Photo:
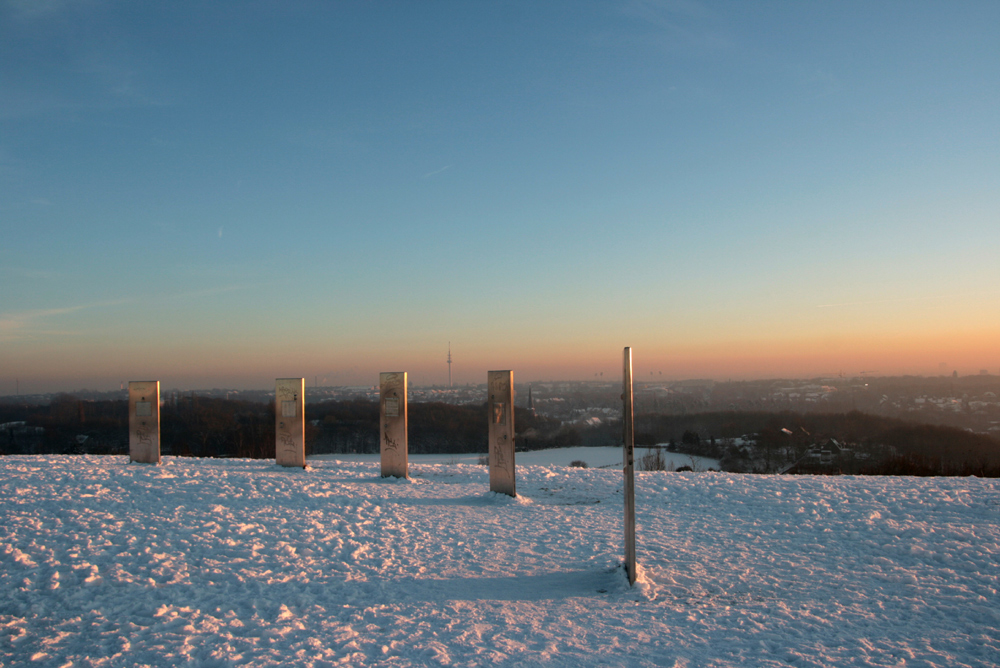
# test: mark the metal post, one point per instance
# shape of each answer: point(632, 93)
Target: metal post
point(628, 458)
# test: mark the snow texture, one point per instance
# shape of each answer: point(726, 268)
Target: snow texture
point(595, 457)
point(204, 562)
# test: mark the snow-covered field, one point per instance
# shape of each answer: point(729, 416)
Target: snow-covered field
point(594, 458)
point(241, 563)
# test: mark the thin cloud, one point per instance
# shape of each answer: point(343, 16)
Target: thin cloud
point(679, 24)
point(896, 300)
point(16, 325)
point(33, 274)
point(208, 292)
point(27, 10)
point(437, 171)
point(112, 73)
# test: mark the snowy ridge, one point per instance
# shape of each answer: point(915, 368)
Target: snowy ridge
point(240, 562)
point(594, 457)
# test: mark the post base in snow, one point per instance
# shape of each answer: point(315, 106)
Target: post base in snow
point(639, 583)
point(630, 577)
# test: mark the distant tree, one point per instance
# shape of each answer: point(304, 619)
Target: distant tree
point(653, 461)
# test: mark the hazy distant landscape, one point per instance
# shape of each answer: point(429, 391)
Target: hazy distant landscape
point(903, 425)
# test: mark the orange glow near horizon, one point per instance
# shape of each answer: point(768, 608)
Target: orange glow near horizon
point(242, 366)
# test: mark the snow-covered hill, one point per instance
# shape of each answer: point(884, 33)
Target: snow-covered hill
point(593, 457)
point(241, 563)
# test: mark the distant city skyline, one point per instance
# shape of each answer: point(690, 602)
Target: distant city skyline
point(217, 196)
point(31, 386)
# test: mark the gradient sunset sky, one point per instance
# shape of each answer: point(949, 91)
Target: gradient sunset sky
point(218, 194)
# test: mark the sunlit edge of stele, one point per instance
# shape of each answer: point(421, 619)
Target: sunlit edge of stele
point(393, 424)
point(628, 440)
point(289, 422)
point(500, 413)
point(144, 421)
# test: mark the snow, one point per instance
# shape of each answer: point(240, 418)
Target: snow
point(595, 457)
point(242, 563)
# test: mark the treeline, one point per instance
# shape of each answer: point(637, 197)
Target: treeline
point(434, 427)
point(211, 427)
point(190, 426)
point(888, 446)
point(65, 424)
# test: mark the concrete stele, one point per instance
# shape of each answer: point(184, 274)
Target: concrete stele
point(144, 421)
point(290, 422)
point(500, 392)
point(393, 424)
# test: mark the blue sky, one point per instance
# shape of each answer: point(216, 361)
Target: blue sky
point(217, 194)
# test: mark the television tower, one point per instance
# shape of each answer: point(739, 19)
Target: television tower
point(449, 364)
